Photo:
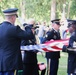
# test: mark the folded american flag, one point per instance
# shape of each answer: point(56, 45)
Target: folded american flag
point(52, 45)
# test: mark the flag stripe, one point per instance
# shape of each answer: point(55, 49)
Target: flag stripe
point(54, 45)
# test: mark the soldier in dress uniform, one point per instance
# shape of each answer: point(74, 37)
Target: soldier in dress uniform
point(71, 68)
point(10, 40)
point(53, 57)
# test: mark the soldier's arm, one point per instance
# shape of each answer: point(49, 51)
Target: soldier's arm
point(47, 37)
point(27, 34)
point(69, 50)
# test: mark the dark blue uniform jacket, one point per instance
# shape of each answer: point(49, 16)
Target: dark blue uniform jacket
point(49, 36)
point(10, 40)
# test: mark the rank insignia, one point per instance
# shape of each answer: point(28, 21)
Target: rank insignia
point(54, 36)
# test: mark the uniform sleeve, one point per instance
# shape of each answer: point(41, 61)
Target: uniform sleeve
point(70, 48)
point(71, 41)
point(64, 49)
point(27, 34)
point(47, 37)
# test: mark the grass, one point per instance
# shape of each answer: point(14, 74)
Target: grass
point(62, 70)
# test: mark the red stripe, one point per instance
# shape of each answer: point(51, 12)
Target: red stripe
point(64, 41)
point(46, 50)
point(55, 47)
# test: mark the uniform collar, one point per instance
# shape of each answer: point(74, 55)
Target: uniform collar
point(55, 30)
point(7, 22)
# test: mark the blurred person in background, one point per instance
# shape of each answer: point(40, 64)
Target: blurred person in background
point(41, 32)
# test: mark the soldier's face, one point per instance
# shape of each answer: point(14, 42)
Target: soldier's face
point(56, 26)
point(70, 29)
point(14, 18)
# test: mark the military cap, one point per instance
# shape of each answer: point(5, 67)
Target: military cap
point(57, 21)
point(71, 22)
point(11, 11)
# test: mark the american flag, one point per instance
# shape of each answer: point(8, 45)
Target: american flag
point(52, 45)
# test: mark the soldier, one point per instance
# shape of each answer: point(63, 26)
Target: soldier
point(10, 40)
point(71, 68)
point(53, 57)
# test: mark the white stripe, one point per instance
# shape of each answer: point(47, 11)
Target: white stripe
point(47, 46)
point(10, 13)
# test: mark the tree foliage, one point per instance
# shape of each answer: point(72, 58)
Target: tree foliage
point(73, 9)
point(40, 9)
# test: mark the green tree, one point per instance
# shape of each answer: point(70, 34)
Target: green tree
point(41, 9)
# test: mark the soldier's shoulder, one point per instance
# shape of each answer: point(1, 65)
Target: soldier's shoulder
point(52, 31)
point(73, 34)
point(0, 23)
